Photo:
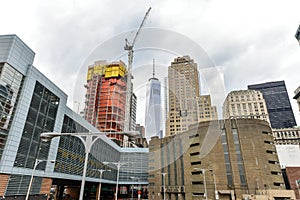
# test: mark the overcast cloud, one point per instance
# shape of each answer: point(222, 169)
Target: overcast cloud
point(249, 41)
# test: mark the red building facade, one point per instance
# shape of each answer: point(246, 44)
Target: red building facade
point(106, 97)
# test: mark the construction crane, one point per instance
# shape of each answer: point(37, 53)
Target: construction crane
point(129, 47)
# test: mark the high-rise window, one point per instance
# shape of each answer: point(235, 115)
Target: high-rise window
point(227, 159)
point(10, 84)
point(40, 118)
point(278, 104)
point(239, 157)
point(153, 114)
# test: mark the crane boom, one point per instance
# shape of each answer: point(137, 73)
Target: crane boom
point(142, 24)
point(129, 47)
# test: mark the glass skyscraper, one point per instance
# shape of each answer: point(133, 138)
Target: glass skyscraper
point(30, 104)
point(153, 114)
point(278, 104)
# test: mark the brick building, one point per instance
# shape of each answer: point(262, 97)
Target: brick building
point(292, 179)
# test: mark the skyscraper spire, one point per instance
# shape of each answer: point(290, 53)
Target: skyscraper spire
point(153, 114)
point(153, 71)
point(153, 68)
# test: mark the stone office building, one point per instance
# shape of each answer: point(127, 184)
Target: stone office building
point(185, 104)
point(245, 104)
point(220, 159)
point(297, 96)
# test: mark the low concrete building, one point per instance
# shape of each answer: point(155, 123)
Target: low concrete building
point(271, 194)
point(217, 160)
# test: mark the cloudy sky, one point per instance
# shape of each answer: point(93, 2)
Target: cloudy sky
point(234, 42)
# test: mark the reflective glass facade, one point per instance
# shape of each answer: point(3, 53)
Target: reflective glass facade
point(136, 167)
point(31, 104)
point(153, 114)
point(40, 118)
point(278, 103)
point(71, 152)
point(10, 83)
point(70, 155)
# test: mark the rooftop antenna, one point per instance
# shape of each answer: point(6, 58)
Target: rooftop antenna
point(153, 68)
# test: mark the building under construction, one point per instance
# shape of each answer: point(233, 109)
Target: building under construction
point(106, 98)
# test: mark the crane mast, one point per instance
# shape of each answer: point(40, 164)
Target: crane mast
point(129, 47)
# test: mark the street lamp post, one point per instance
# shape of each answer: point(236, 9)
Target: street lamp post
point(204, 180)
point(88, 139)
point(101, 172)
point(37, 161)
point(164, 181)
point(118, 165)
point(205, 189)
point(133, 186)
point(128, 143)
point(216, 191)
point(132, 192)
